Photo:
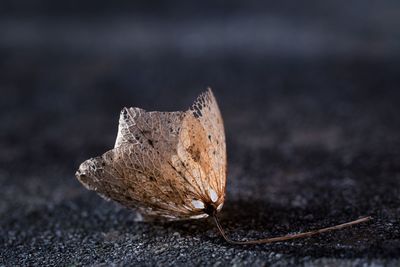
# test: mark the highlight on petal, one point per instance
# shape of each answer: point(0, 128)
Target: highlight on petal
point(213, 195)
point(198, 204)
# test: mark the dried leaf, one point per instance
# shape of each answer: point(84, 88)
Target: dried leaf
point(164, 164)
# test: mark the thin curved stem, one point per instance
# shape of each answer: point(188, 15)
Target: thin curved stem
point(290, 236)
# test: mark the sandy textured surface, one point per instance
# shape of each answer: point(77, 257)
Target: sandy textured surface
point(311, 110)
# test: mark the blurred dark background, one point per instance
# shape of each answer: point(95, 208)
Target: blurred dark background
point(309, 92)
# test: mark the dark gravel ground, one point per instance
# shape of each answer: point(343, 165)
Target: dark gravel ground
point(310, 99)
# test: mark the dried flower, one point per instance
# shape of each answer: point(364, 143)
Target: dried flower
point(170, 165)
